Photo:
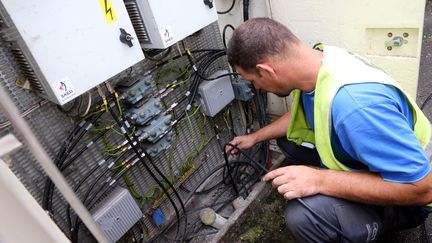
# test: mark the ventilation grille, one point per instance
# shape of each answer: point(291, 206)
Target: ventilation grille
point(137, 22)
point(26, 70)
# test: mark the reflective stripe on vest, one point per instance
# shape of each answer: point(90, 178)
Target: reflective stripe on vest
point(340, 68)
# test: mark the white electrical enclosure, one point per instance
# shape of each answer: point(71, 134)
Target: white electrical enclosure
point(64, 48)
point(159, 24)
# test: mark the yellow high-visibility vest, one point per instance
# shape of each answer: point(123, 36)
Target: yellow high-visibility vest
point(339, 68)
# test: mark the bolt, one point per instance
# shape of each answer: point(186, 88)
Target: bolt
point(143, 114)
point(389, 48)
point(405, 34)
point(389, 34)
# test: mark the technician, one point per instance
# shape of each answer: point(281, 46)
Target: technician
point(371, 173)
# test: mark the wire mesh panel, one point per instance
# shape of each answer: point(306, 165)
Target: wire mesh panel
point(194, 151)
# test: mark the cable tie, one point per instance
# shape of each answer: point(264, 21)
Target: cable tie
point(88, 127)
point(89, 144)
point(123, 130)
point(81, 124)
point(188, 107)
point(111, 165)
point(112, 182)
point(217, 136)
point(195, 68)
point(127, 124)
point(108, 179)
point(101, 162)
point(187, 93)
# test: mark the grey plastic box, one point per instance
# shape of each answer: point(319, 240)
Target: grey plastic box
point(116, 214)
point(215, 94)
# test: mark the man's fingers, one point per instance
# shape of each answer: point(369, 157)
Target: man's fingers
point(279, 180)
point(289, 195)
point(275, 173)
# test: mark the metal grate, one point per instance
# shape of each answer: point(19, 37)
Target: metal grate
point(51, 126)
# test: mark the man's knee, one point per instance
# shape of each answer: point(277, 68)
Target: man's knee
point(304, 225)
point(357, 221)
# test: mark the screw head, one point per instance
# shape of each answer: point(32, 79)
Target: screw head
point(389, 34)
point(389, 48)
point(405, 34)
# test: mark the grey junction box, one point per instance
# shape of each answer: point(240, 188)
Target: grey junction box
point(215, 94)
point(117, 214)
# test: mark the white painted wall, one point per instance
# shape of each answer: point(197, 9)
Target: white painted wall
point(360, 26)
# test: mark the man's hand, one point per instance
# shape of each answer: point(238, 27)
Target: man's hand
point(295, 181)
point(242, 142)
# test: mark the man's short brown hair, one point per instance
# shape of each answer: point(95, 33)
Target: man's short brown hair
point(257, 39)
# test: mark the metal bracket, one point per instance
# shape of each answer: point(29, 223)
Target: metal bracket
point(395, 42)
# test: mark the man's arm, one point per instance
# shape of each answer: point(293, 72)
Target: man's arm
point(301, 181)
point(275, 129)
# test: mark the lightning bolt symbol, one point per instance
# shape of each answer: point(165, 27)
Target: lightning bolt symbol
point(108, 9)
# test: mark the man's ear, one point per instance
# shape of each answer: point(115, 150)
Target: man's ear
point(266, 68)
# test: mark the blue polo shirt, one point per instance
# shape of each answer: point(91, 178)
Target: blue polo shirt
point(373, 131)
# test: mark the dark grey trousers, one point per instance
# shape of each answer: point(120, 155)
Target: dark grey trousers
point(360, 222)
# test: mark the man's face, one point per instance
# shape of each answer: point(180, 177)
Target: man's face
point(264, 81)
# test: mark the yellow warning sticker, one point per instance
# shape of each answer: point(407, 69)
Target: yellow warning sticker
point(108, 11)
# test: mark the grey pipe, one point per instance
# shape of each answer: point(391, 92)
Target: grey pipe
point(47, 164)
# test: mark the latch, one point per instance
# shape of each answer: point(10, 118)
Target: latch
point(125, 37)
point(209, 3)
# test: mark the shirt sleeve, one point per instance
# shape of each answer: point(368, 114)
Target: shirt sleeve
point(379, 136)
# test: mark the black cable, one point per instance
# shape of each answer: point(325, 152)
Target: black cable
point(232, 123)
point(261, 99)
point(81, 151)
point(84, 178)
point(224, 33)
point(228, 10)
point(184, 54)
point(300, 200)
point(70, 143)
point(195, 188)
point(75, 229)
point(87, 202)
point(135, 149)
point(245, 10)
point(157, 59)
